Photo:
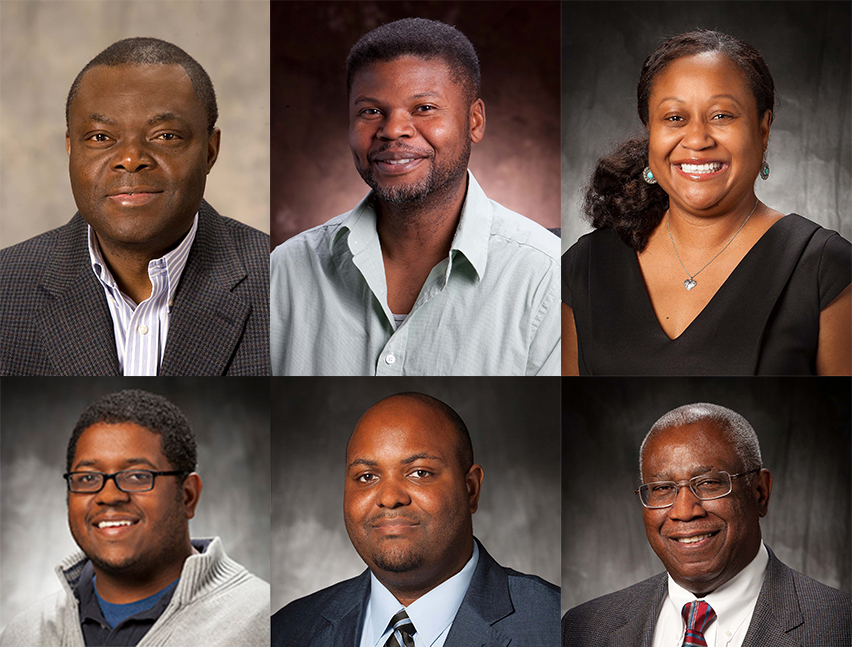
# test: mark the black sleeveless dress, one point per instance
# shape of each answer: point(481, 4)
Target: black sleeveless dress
point(764, 320)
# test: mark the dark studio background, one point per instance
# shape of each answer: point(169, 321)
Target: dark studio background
point(517, 163)
point(803, 425)
point(514, 426)
point(807, 48)
point(230, 419)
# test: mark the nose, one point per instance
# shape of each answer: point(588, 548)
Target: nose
point(686, 506)
point(697, 135)
point(110, 494)
point(132, 155)
point(392, 493)
point(397, 124)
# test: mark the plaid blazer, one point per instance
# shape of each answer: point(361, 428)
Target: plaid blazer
point(792, 610)
point(54, 318)
point(502, 607)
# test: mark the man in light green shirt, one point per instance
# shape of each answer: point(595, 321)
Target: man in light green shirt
point(426, 276)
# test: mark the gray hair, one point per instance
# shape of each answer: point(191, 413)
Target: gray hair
point(738, 430)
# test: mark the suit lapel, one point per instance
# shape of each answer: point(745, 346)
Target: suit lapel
point(639, 630)
point(344, 614)
point(76, 326)
point(207, 320)
point(777, 610)
point(487, 601)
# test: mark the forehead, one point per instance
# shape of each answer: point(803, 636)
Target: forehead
point(699, 76)
point(682, 452)
point(396, 429)
point(406, 76)
point(114, 443)
point(122, 91)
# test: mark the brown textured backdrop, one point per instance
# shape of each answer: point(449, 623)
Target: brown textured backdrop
point(517, 164)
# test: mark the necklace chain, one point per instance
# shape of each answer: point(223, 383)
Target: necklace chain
point(691, 282)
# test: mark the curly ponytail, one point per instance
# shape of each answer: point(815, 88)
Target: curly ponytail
point(619, 199)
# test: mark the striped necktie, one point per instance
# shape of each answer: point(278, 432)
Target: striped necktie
point(403, 631)
point(696, 615)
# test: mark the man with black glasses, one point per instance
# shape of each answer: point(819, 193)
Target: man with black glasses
point(703, 492)
point(140, 580)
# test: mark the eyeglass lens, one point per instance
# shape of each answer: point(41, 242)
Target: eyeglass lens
point(705, 486)
point(128, 481)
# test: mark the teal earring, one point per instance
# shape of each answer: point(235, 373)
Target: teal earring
point(764, 168)
point(650, 179)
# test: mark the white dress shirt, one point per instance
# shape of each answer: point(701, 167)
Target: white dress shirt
point(141, 329)
point(431, 614)
point(733, 603)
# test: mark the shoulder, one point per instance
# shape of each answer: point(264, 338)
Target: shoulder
point(248, 241)
point(593, 242)
point(531, 590)
point(820, 600)
point(526, 234)
point(611, 611)
point(301, 619)
point(40, 624)
point(312, 242)
point(29, 256)
point(826, 257)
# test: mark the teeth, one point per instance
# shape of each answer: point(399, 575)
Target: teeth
point(114, 524)
point(405, 161)
point(712, 167)
point(693, 540)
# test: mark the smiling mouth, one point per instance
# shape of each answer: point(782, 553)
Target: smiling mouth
point(113, 524)
point(700, 169)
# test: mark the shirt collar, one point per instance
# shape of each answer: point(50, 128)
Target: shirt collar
point(471, 238)
point(174, 261)
point(732, 601)
point(431, 613)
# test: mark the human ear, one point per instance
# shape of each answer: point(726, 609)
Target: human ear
point(476, 119)
point(191, 493)
point(213, 148)
point(763, 489)
point(68, 142)
point(473, 481)
point(764, 126)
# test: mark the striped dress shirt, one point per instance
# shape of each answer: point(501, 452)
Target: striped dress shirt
point(141, 329)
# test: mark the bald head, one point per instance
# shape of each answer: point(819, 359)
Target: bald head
point(394, 411)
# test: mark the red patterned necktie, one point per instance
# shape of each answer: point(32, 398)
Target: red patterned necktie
point(696, 615)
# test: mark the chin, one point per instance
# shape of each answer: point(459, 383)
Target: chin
point(397, 561)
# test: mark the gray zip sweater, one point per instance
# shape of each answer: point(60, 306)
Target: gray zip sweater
point(217, 602)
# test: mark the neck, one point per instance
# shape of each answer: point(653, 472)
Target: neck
point(421, 229)
point(125, 586)
point(707, 232)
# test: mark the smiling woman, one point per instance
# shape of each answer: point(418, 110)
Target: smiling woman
point(689, 273)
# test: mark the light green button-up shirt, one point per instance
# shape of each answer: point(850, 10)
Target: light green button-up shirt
point(490, 308)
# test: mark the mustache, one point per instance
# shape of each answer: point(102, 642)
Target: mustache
point(399, 148)
point(385, 517)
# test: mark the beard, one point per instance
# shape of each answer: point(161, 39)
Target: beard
point(397, 561)
point(438, 177)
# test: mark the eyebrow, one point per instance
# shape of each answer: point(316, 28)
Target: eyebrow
point(129, 461)
point(713, 98)
point(699, 470)
point(163, 116)
point(405, 461)
point(102, 119)
point(413, 97)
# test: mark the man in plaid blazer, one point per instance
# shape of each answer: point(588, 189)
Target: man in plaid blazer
point(146, 279)
point(703, 494)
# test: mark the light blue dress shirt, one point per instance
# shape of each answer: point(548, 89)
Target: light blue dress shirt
point(492, 307)
point(141, 329)
point(431, 614)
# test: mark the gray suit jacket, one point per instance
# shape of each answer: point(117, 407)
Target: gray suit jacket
point(54, 318)
point(502, 607)
point(792, 610)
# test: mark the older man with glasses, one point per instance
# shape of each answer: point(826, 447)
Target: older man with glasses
point(704, 490)
point(140, 580)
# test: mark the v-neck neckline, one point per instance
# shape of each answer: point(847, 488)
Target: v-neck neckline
point(649, 307)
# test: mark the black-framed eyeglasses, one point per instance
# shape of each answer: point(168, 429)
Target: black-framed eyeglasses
point(125, 480)
point(705, 487)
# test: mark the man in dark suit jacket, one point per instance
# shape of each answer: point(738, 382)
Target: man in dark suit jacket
point(411, 488)
point(147, 278)
point(703, 494)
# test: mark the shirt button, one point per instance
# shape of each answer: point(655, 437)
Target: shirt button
point(390, 359)
point(728, 634)
point(143, 329)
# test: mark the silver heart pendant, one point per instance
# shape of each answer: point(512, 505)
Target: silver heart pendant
point(689, 284)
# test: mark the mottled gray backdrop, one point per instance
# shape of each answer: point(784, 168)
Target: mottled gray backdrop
point(807, 48)
point(514, 425)
point(230, 418)
point(44, 44)
point(517, 163)
point(803, 425)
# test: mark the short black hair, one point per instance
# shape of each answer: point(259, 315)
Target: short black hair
point(149, 410)
point(153, 51)
point(423, 38)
